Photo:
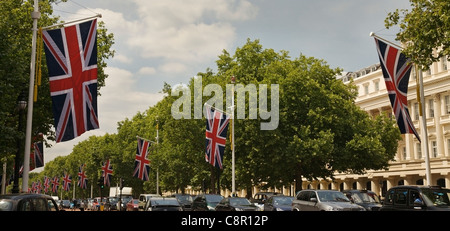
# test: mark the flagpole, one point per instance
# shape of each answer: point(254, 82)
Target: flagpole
point(35, 15)
point(424, 130)
point(233, 183)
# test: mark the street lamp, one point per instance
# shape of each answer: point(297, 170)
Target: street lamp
point(21, 105)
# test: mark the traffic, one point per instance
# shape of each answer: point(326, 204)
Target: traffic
point(398, 198)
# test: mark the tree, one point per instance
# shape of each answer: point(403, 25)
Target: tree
point(321, 131)
point(15, 52)
point(424, 30)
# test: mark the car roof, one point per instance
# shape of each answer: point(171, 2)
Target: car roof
point(24, 195)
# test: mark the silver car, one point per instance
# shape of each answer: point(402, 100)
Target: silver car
point(323, 200)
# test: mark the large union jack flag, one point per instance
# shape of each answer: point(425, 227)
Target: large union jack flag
point(71, 55)
point(82, 178)
point(142, 163)
point(216, 136)
point(396, 70)
point(107, 172)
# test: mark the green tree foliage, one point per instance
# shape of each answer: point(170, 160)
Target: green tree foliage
point(424, 29)
point(320, 131)
point(15, 56)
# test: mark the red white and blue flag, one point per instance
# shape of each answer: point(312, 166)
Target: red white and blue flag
point(142, 163)
point(107, 172)
point(396, 70)
point(46, 183)
point(38, 154)
point(67, 180)
point(82, 178)
point(55, 184)
point(71, 55)
point(216, 136)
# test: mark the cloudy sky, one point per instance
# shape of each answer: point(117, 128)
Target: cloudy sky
point(171, 41)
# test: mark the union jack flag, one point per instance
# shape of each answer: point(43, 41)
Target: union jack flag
point(107, 172)
point(396, 70)
point(67, 180)
point(38, 154)
point(55, 184)
point(216, 136)
point(71, 55)
point(142, 163)
point(46, 183)
point(82, 179)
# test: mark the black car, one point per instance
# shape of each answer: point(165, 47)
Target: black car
point(206, 202)
point(260, 198)
point(278, 203)
point(236, 204)
point(364, 198)
point(163, 204)
point(416, 198)
point(185, 200)
point(27, 202)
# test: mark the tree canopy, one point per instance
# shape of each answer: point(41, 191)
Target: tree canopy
point(424, 29)
point(320, 129)
point(15, 55)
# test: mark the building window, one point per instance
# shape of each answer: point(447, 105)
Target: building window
point(419, 151)
point(366, 89)
point(431, 108)
point(447, 104)
point(434, 148)
point(416, 111)
point(377, 86)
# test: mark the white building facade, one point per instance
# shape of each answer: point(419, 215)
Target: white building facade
point(408, 168)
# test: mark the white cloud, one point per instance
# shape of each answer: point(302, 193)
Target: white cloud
point(147, 71)
point(119, 100)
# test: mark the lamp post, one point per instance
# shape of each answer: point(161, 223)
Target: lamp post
point(21, 105)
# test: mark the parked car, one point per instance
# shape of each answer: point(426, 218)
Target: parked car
point(416, 198)
point(260, 198)
point(132, 205)
point(278, 203)
point(364, 198)
point(185, 200)
point(206, 202)
point(323, 200)
point(27, 202)
point(64, 204)
point(143, 198)
point(163, 204)
point(236, 204)
point(124, 202)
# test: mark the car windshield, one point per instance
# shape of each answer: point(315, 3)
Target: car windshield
point(184, 198)
point(283, 200)
point(439, 197)
point(332, 196)
point(239, 201)
point(214, 198)
point(362, 197)
point(5, 205)
point(165, 203)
